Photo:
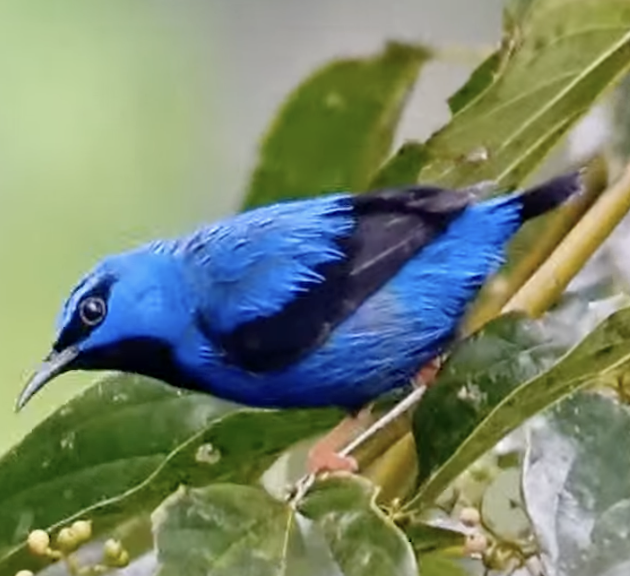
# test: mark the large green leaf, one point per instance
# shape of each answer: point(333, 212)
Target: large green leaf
point(337, 127)
point(427, 538)
point(363, 541)
point(116, 452)
point(557, 57)
point(514, 15)
point(480, 373)
point(494, 384)
point(576, 486)
point(97, 446)
point(228, 529)
point(440, 564)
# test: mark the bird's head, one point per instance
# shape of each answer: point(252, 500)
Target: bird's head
point(126, 314)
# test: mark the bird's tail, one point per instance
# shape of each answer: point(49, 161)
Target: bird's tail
point(550, 194)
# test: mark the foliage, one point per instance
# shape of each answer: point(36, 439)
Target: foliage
point(131, 452)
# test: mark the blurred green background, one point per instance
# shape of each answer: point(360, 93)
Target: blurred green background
point(122, 120)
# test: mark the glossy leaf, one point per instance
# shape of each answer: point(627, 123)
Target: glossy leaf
point(402, 168)
point(485, 74)
point(557, 57)
point(363, 541)
point(337, 127)
point(480, 373)
point(576, 486)
point(227, 529)
point(115, 470)
point(441, 564)
point(496, 380)
point(426, 538)
point(565, 54)
point(93, 448)
point(514, 17)
point(502, 508)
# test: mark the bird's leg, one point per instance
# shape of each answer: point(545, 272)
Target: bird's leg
point(323, 456)
point(405, 404)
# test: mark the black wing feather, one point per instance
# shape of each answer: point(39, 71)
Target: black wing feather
point(391, 226)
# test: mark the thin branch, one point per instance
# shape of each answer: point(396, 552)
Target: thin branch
point(544, 288)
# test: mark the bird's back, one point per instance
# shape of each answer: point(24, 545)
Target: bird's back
point(338, 299)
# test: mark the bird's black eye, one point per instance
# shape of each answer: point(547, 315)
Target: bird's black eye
point(92, 310)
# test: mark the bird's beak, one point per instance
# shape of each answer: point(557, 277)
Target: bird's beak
point(56, 363)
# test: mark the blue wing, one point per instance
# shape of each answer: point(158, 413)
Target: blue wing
point(275, 281)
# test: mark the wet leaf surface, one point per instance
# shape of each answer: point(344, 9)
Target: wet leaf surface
point(576, 486)
point(228, 529)
point(500, 378)
point(123, 462)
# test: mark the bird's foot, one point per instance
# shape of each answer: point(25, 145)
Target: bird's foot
point(323, 459)
point(325, 455)
point(332, 452)
point(299, 489)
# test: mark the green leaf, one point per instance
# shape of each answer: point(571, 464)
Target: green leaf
point(402, 168)
point(93, 448)
point(364, 542)
point(566, 54)
point(228, 529)
point(337, 127)
point(440, 564)
point(479, 80)
point(480, 373)
point(556, 59)
point(576, 486)
point(502, 508)
point(620, 151)
point(132, 443)
point(426, 538)
point(493, 66)
point(495, 381)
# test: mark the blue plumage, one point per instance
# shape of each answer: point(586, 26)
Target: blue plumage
point(329, 301)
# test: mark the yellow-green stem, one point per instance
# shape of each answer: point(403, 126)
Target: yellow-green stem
point(395, 471)
point(498, 291)
point(544, 288)
point(549, 281)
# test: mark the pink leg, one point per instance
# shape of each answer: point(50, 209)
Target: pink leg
point(324, 457)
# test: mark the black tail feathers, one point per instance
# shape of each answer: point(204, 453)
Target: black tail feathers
point(551, 194)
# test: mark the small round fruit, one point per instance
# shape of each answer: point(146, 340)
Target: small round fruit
point(470, 516)
point(25, 573)
point(82, 530)
point(122, 561)
point(67, 540)
point(112, 550)
point(38, 542)
point(476, 544)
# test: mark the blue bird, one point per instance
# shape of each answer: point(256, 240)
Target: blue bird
point(330, 301)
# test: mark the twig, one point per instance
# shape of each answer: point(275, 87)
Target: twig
point(543, 289)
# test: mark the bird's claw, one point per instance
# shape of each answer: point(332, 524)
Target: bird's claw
point(300, 489)
point(320, 461)
point(326, 460)
point(323, 458)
